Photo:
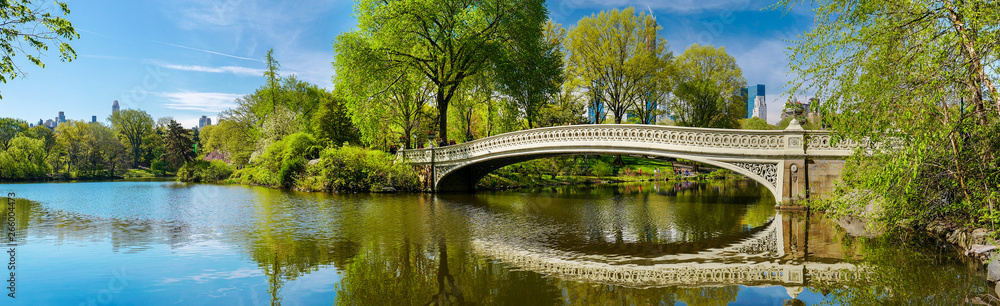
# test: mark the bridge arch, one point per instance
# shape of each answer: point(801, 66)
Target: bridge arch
point(785, 161)
point(464, 177)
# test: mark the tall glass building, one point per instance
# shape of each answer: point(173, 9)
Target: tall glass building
point(756, 106)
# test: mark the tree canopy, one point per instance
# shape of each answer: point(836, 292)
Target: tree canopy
point(34, 23)
point(920, 75)
point(447, 41)
point(619, 58)
point(132, 126)
point(708, 82)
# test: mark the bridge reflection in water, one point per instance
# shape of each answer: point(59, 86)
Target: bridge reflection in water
point(778, 254)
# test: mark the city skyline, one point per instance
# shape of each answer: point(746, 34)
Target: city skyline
point(206, 54)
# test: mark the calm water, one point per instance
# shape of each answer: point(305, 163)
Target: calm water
point(696, 244)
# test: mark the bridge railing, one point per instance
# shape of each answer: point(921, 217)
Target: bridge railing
point(682, 138)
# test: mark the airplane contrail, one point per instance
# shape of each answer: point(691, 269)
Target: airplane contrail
point(210, 52)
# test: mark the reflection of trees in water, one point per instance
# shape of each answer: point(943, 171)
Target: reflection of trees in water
point(607, 219)
point(900, 274)
point(128, 236)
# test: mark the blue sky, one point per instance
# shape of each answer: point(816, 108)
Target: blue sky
point(188, 58)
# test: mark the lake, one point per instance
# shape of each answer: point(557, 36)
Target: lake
point(687, 243)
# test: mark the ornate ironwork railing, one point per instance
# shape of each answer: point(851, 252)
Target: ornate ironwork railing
point(736, 142)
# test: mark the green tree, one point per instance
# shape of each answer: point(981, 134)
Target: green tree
point(567, 105)
point(24, 158)
point(178, 145)
point(700, 103)
point(33, 23)
point(447, 41)
point(708, 83)
point(105, 154)
point(755, 123)
point(272, 87)
point(532, 73)
point(619, 57)
point(10, 128)
point(331, 124)
point(72, 141)
point(131, 126)
point(387, 99)
point(915, 82)
point(43, 133)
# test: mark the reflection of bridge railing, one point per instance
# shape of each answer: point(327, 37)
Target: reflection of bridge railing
point(662, 275)
point(755, 256)
point(745, 142)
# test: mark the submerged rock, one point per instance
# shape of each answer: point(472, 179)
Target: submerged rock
point(859, 227)
point(993, 269)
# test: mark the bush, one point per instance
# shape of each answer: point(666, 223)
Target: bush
point(289, 170)
point(351, 169)
point(601, 168)
point(200, 171)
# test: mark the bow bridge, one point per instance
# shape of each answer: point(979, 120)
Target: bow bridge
point(792, 163)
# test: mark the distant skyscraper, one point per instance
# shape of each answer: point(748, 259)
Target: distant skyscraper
point(203, 121)
point(55, 122)
point(93, 119)
point(114, 107)
point(62, 117)
point(40, 122)
point(50, 123)
point(756, 106)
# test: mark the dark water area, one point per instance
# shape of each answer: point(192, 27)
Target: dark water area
point(719, 243)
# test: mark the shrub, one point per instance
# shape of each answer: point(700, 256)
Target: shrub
point(601, 168)
point(349, 169)
point(289, 170)
point(200, 171)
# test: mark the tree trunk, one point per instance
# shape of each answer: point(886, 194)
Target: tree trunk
point(442, 114)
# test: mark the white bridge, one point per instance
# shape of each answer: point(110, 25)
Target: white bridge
point(792, 163)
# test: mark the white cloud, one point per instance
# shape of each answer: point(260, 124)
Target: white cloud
point(211, 102)
point(224, 69)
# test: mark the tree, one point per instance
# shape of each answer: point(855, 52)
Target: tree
point(755, 123)
point(273, 80)
point(389, 98)
point(131, 126)
point(617, 55)
point(10, 128)
point(34, 24)
point(178, 144)
point(700, 103)
point(43, 133)
point(533, 72)
point(708, 83)
point(447, 41)
point(24, 158)
point(72, 144)
point(331, 123)
point(917, 77)
point(105, 153)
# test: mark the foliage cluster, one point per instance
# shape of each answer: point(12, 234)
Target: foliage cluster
point(356, 169)
point(201, 171)
point(404, 80)
point(914, 83)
